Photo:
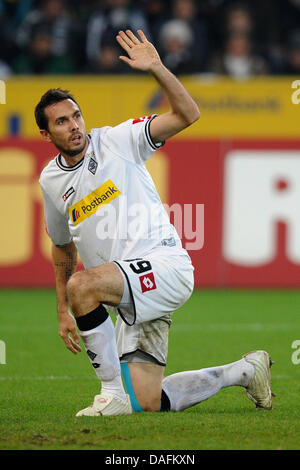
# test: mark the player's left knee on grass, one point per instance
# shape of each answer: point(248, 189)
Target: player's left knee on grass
point(151, 402)
point(143, 383)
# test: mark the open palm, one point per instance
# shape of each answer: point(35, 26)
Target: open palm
point(142, 54)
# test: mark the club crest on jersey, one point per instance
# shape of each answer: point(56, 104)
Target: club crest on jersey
point(147, 282)
point(91, 203)
point(92, 167)
point(141, 119)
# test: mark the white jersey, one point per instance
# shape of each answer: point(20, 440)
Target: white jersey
point(107, 203)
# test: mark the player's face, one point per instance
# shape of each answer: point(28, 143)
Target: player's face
point(66, 127)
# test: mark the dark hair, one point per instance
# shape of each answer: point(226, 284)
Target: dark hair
point(54, 95)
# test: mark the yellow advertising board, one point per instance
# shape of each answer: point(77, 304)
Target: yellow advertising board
point(253, 108)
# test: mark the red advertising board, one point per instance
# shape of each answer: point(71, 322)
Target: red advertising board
point(267, 171)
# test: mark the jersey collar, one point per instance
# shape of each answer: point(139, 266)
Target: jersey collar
point(60, 164)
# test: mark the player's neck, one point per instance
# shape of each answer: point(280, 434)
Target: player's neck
point(73, 160)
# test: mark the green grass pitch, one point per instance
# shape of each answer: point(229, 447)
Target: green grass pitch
point(42, 385)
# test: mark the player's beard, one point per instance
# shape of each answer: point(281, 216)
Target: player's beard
point(69, 152)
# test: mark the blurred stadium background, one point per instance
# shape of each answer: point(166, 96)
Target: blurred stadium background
point(241, 160)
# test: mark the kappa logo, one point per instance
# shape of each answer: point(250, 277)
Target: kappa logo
point(91, 203)
point(147, 282)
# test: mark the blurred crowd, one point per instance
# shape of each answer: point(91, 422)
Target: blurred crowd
point(236, 38)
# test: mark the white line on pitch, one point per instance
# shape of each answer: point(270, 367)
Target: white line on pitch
point(234, 326)
point(49, 377)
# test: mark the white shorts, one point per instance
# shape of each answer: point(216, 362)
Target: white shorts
point(143, 342)
point(158, 285)
point(155, 286)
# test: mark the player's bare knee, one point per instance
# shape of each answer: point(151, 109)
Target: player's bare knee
point(74, 286)
point(79, 287)
point(150, 404)
point(151, 407)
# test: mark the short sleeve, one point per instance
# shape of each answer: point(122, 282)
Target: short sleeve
point(132, 139)
point(56, 223)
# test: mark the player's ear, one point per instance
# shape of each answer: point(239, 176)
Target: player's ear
point(45, 134)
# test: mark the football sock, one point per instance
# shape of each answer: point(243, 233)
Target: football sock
point(98, 336)
point(186, 389)
point(165, 404)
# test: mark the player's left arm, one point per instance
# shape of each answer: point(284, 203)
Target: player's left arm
point(142, 55)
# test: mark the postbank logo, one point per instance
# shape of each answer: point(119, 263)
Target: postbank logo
point(91, 203)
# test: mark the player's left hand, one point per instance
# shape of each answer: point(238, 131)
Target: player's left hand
point(142, 54)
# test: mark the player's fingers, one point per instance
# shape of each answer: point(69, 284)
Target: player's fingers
point(142, 36)
point(123, 44)
point(126, 39)
point(74, 345)
point(75, 336)
point(125, 59)
point(71, 345)
point(132, 36)
point(68, 343)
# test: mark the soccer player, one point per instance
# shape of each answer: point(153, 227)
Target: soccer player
point(100, 200)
